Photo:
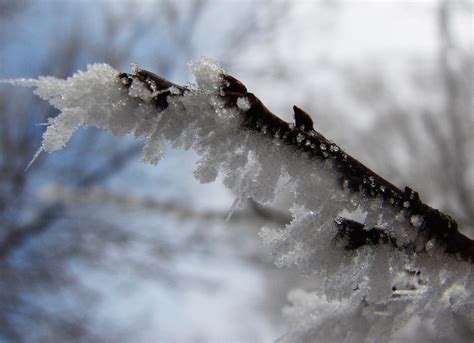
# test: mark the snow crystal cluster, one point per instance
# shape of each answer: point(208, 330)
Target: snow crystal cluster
point(372, 290)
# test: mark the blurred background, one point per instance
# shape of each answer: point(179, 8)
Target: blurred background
point(97, 246)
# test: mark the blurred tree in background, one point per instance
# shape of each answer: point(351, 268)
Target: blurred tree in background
point(86, 246)
point(434, 136)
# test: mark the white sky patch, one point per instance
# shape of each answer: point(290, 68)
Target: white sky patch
point(321, 43)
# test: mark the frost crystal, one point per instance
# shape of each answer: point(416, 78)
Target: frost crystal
point(416, 220)
point(243, 104)
point(370, 283)
point(299, 138)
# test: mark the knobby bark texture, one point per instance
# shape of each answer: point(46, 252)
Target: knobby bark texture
point(432, 226)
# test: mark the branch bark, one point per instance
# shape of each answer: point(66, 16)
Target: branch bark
point(431, 225)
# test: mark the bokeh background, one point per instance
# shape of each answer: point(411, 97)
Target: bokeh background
point(97, 246)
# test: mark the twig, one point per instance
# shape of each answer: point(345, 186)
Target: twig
point(430, 224)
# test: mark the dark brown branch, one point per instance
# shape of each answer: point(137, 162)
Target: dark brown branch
point(352, 175)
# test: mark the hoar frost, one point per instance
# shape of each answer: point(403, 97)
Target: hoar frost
point(361, 284)
point(243, 104)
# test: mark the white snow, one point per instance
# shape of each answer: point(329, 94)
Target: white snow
point(416, 220)
point(243, 104)
point(258, 168)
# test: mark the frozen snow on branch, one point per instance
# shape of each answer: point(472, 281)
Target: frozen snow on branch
point(357, 263)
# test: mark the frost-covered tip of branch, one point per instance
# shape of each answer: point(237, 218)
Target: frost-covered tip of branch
point(355, 230)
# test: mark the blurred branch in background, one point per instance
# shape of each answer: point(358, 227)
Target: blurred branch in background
point(94, 196)
point(429, 143)
point(457, 71)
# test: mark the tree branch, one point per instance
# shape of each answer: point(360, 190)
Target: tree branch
point(431, 225)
